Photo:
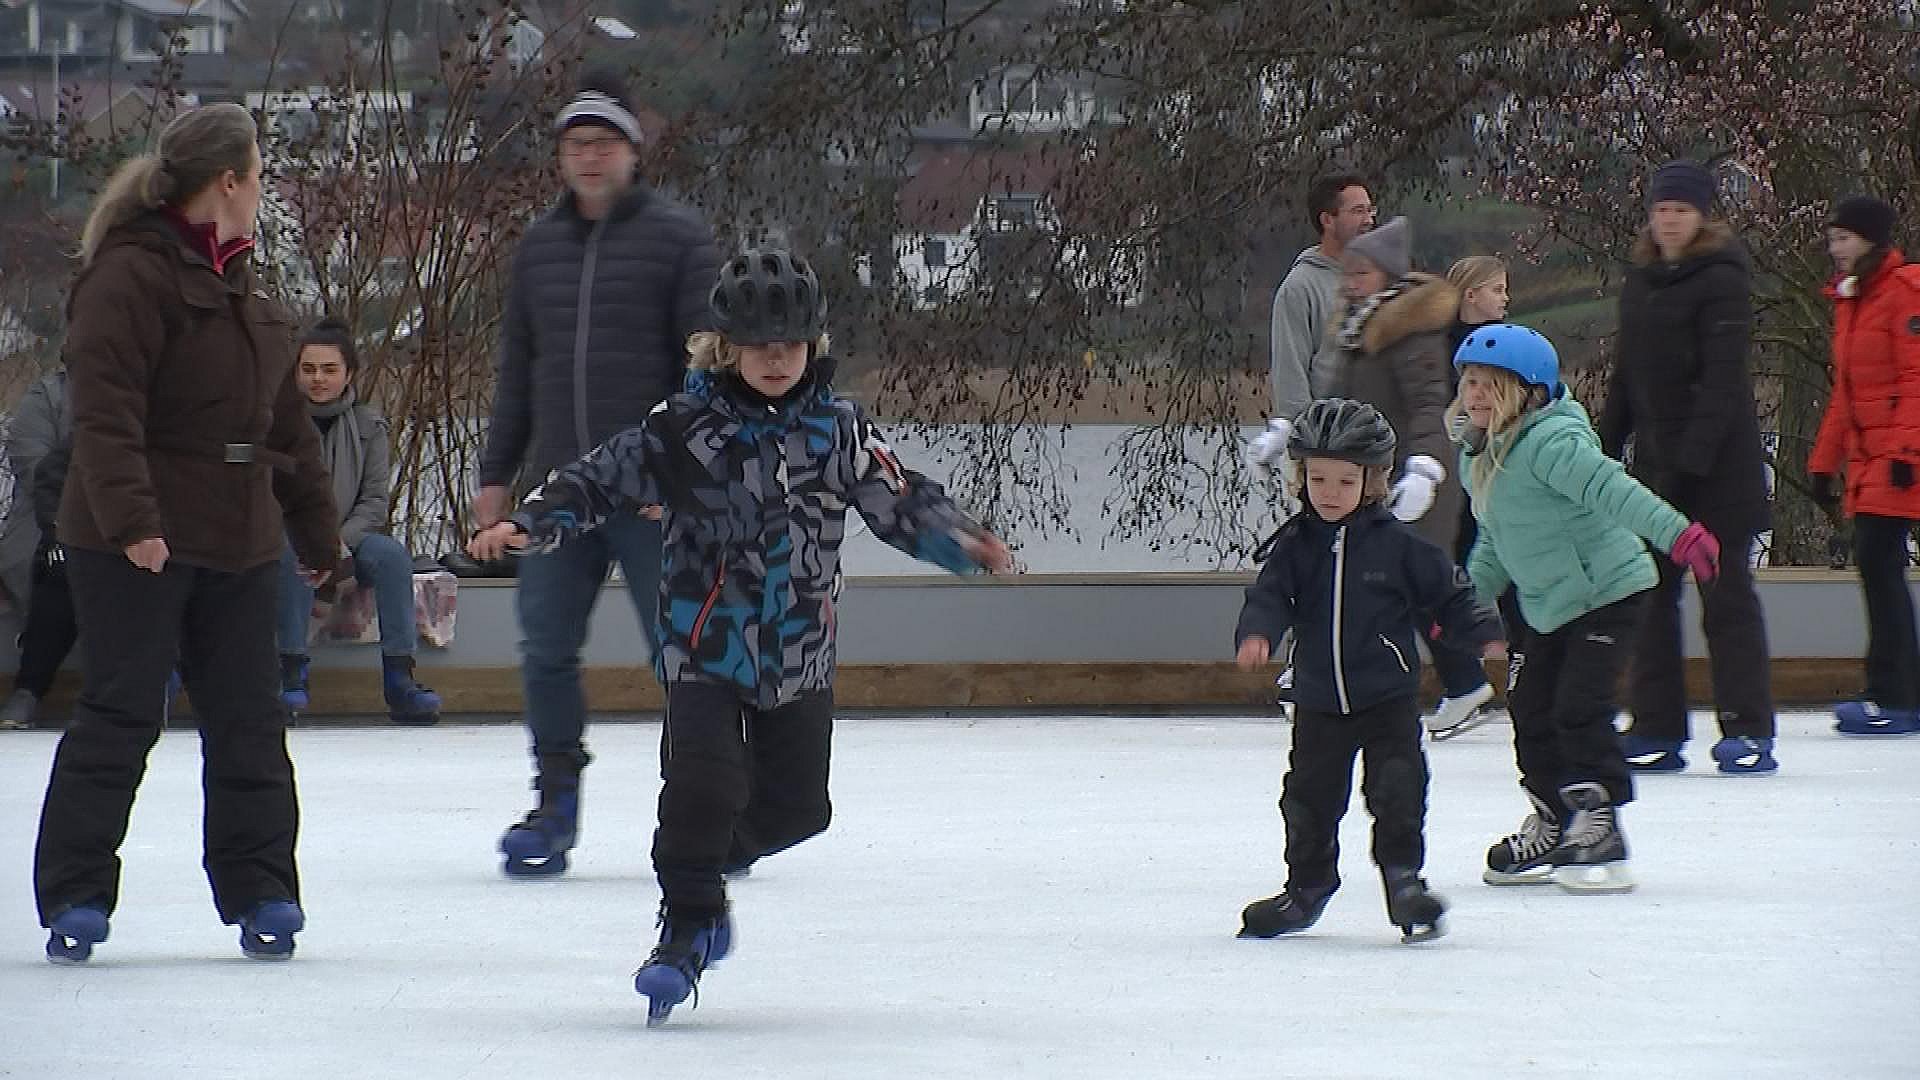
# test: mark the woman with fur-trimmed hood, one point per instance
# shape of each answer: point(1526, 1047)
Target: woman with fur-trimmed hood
point(1682, 392)
point(1394, 355)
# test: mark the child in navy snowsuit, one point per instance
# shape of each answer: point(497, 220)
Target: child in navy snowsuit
point(1353, 584)
point(756, 464)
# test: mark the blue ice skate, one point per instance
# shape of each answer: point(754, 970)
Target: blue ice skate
point(687, 948)
point(538, 846)
point(75, 932)
point(1741, 756)
point(266, 932)
point(1869, 718)
point(293, 683)
point(1653, 755)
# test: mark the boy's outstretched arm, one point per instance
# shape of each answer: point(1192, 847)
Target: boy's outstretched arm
point(580, 497)
point(913, 513)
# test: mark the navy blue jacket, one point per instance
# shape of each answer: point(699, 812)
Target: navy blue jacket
point(594, 332)
point(1355, 594)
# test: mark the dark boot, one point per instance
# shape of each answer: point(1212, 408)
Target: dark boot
point(538, 845)
point(1295, 909)
point(408, 702)
point(293, 682)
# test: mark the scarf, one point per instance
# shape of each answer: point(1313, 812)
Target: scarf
point(1358, 315)
point(341, 445)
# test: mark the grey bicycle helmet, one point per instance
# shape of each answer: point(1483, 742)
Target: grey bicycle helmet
point(765, 296)
point(1342, 429)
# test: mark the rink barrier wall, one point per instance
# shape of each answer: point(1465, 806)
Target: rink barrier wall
point(1037, 641)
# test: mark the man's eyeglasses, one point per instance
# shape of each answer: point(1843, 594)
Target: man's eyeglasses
point(594, 147)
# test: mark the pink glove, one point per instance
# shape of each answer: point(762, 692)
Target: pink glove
point(1698, 551)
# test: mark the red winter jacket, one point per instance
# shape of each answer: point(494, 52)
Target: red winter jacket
point(1873, 419)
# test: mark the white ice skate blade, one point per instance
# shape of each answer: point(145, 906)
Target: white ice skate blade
point(1598, 878)
point(1539, 875)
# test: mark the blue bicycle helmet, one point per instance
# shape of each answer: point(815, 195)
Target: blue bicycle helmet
point(1523, 351)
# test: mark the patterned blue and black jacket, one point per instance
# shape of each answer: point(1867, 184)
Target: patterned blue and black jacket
point(756, 493)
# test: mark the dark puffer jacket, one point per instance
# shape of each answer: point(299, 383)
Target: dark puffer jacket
point(1681, 389)
point(1352, 592)
point(757, 494)
point(595, 329)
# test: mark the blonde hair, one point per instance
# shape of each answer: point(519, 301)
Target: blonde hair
point(196, 148)
point(709, 350)
point(1511, 401)
point(1476, 271)
point(1374, 488)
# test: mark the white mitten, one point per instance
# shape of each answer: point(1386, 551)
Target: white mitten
point(1412, 495)
point(1268, 450)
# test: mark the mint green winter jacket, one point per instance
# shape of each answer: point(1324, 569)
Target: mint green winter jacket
point(1563, 522)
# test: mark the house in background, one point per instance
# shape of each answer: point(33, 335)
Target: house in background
point(972, 217)
point(122, 40)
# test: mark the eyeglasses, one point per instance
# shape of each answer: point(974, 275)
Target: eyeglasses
point(596, 147)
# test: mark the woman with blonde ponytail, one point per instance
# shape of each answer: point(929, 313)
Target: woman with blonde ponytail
point(193, 460)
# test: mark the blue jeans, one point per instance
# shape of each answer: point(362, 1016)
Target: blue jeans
point(555, 599)
point(379, 563)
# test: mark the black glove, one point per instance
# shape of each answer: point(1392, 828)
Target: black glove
point(1901, 473)
point(1824, 490)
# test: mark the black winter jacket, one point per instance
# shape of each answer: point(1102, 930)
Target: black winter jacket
point(595, 329)
point(1681, 388)
point(1355, 593)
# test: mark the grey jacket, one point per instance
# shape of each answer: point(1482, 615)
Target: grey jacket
point(595, 329)
point(360, 463)
point(1305, 307)
point(41, 422)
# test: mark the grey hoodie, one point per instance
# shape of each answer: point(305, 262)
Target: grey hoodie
point(1304, 309)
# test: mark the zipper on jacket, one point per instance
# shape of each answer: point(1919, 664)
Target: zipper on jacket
point(582, 329)
point(1397, 654)
point(706, 609)
point(1339, 600)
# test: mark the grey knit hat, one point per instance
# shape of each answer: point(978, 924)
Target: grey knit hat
point(1389, 246)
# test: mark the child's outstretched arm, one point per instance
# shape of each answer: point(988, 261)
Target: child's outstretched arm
point(580, 497)
point(914, 514)
point(1572, 464)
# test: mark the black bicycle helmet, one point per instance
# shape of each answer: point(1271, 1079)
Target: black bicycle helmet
point(1347, 430)
point(767, 296)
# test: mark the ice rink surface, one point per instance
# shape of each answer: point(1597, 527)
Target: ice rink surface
point(1045, 897)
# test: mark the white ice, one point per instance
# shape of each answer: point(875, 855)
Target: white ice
point(1046, 897)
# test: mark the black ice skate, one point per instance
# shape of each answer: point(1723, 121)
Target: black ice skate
point(1292, 911)
point(1592, 856)
point(1522, 858)
point(1411, 906)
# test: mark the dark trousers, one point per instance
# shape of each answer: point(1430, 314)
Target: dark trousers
point(1893, 648)
point(1319, 785)
point(50, 630)
point(133, 625)
point(1736, 649)
point(717, 752)
point(1563, 703)
point(555, 595)
point(1460, 670)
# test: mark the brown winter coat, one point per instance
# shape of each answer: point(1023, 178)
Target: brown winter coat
point(169, 362)
point(1404, 369)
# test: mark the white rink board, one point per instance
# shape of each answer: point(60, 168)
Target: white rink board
point(1048, 897)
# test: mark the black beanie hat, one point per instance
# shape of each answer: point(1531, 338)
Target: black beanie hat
point(1681, 181)
point(1866, 217)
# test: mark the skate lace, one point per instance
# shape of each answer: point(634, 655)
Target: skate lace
point(1536, 837)
point(1589, 827)
point(683, 960)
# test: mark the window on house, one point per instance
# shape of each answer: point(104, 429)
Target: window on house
point(1016, 212)
point(934, 252)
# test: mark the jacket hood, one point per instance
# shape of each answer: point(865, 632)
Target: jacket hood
point(1429, 306)
point(1317, 259)
point(1558, 413)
